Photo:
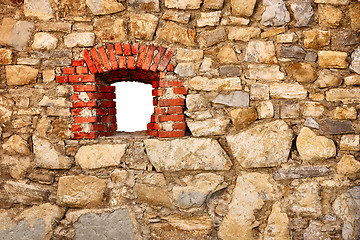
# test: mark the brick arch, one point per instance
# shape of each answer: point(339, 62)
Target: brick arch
point(93, 106)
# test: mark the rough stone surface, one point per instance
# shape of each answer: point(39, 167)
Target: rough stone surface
point(355, 63)
point(183, 4)
point(255, 147)
point(350, 142)
point(260, 52)
point(16, 145)
point(235, 99)
point(208, 127)
point(176, 16)
point(265, 110)
point(289, 110)
point(15, 34)
point(18, 166)
point(329, 16)
point(305, 199)
point(26, 194)
point(20, 75)
point(316, 39)
point(334, 2)
point(72, 10)
point(302, 72)
point(259, 91)
point(196, 102)
point(5, 56)
point(230, 70)
point(301, 172)
point(264, 72)
point(328, 78)
point(243, 117)
point(108, 29)
point(344, 95)
point(344, 38)
point(187, 154)
point(44, 41)
point(278, 224)
point(208, 19)
point(81, 191)
point(175, 33)
point(185, 70)
point(332, 59)
point(352, 80)
point(313, 109)
point(275, 14)
point(152, 195)
point(348, 165)
point(215, 84)
point(328, 126)
point(83, 39)
point(143, 26)
point(303, 13)
point(38, 8)
point(292, 52)
point(354, 16)
point(287, 38)
point(243, 33)
point(287, 91)
point(242, 8)
point(143, 5)
point(212, 37)
point(103, 7)
point(344, 113)
point(227, 55)
point(213, 4)
point(189, 54)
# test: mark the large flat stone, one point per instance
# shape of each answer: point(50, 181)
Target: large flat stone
point(15, 33)
point(316, 39)
point(234, 99)
point(16, 145)
point(143, 5)
point(215, 84)
point(38, 8)
point(275, 14)
point(332, 59)
point(104, 7)
point(305, 199)
point(328, 126)
point(301, 172)
point(110, 29)
point(143, 26)
point(26, 194)
point(343, 94)
point(44, 41)
point(79, 39)
point(288, 91)
point(183, 4)
point(152, 195)
point(212, 37)
point(302, 72)
point(187, 154)
point(277, 225)
point(265, 145)
point(243, 33)
point(243, 8)
point(208, 127)
point(264, 72)
point(175, 33)
point(20, 75)
point(260, 52)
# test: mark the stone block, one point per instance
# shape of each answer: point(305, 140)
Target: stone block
point(242, 8)
point(208, 19)
point(79, 39)
point(259, 91)
point(260, 52)
point(328, 78)
point(343, 94)
point(344, 38)
point(176, 16)
point(15, 33)
point(5, 56)
point(344, 113)
point(303, 13)
point(272, 32)
point(38, 8)
point(278, 224)
point(355, 60)
point(143, 5)
point(243, 33)
point(265, 110)
point(227, 55)
point(329, 16)
point(175, 33)
point(26, 194)
point(264, 72)
point(332, 59)
point(230, 70)
point(328, 126)
point(212, 37)
point(243, 117)
point(316, 39)
point(143, 26)
point(354, 11)
point(213, 4)
point(302, 72)
point(16, 145)
point(215, 84)
point(183, 4)
point(350, 142)
point(333, 2)
point(185, 69)
point(275, 14)
point(189, 54)
point(104, 7)
point(289, 110)
point(152, 195)
point(305, 199)
point(44, 41)
point(287, 91)
point(287, 38)
point(110, 29)
point(313, 109)
point(348, 165)
point(55, 27)
point(234, 21)
point(301, 172)
point(208, 127)
point(234, 99)
point(292, 52)
point(196, 102)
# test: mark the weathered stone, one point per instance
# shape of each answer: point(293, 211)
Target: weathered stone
point(348, 165)
point(301, 172)
point(212, 37)
point(259, 91)
point(183, 4)
point(287, 91)
point(312, 147)
point(255, 147)
point(344, 113)
point(38, 8)
point(189, 54)
point(207, 127)
point(26, 194)
point(143, 5)
point(104, 7)
point(185, 69)
point(83, 39)
point(110, 29)
point(16, 145)
point(176, 16)
point(310, 122)
point(227, 55)
point(5, 56)
point(314, 232)
point(344, 38)
point(215, 84)
point(240, 219)
point(72, 10)
point(234, 21)
point(277, 225)
point(344, 95)
point(328, 78)
point(175, 33)
point(242, 8)
point(354, 16)
point(243, 33)
point(313, 109)
point(57, 62)
point(230, 70)
point(83, 27)
point(18, 166)
point(292, 52)
point(275, 14)
point(329, 16)
point(44, 41)
point(81, 191)
point(328, 126)
point(264, 72)
point(143, 26)
point(334, 2)
point(187, 154)
point(208, 19)
point(260, 52)
point(5, 109)
point(234, 99)
point(305, 199)
point(287, 38)
point(302, 72)
point(303, 13)
point(197, 190)
point(15, 34)
point(289, 110)
point(350, 142)
point(355, 63)
point(311, 57)
point(54, 27)
point(213, 4)
point(152, 195)
point(200, 115)
point(206, 67)
point(316, 39)
point(265, 110)
point(196, 102)
point(272, 32)
point(27, 61)
point(61, 102)
point(243, 117)
point(332, 59)
point(100, 155)
point(42, 177)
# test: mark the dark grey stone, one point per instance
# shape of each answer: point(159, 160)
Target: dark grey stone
point(22, 231)
point(311, 57)
point(301, 172)
point(143, 5)
point(292, 52)
point(328, 126)
point(344, 38)
point(230, 70)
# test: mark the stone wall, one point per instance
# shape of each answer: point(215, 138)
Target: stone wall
point(268, 91)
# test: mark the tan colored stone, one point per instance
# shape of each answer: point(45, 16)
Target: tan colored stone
point(110, 29)
point(260, 52)
point(6, 29)
point(316, 39)
point(277, 227)
point(176, 16)
point(242, 8)
point(189, 54)
point(79, 39)
point(18, 166)
point(16, 145)
point(328, 78)
point(48, 75)
point(333, 59)
point(175, 33)
point(227, 55)
point(208, 19)
point(316, 96)
point(243, 33)
point(312, 147)
point(208, 127)
point(344, 113)
point(273, 32)
point(287, 38)
point(243, 117)
point(103, 7)
point(354, 12)
point(264, 72)
point(70, 9)
point(44, 41)
point(183, 4)
point(344, 95)
point(329, 16)
point(38, 8)
point(234, 21)
point(27, 194)
point(143, 26)
point(302, 72)
point(259, 91)
point(265, 110)
point(152, 195)
point(5, 56)
point(143, 5)
point(215, 84)
point(306, 199)
point(352, 80)
point(213, 4)
point(313, 109)
point(212, 37)
point(81, 191)
point(20, 75)
point(334, 2)
point(350, 142)
point(348, 165)
point(287, 91)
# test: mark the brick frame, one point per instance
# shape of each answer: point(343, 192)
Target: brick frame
point(93, 106)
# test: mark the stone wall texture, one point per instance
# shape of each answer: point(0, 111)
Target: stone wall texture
point(255, 132)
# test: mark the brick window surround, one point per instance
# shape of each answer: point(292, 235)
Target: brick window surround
point(93, 107)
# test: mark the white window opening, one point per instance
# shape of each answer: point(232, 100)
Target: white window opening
point(134, 105)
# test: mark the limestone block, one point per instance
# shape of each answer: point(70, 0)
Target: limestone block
point(306, 199)
point(344, 95)
point(16, 145)
point(259, 91)
point(344, 113)
point(334, 2)
point(286, 38)
point(5, 56)
point(152, 195)
point(143, 26)
point(272, 32)
point(48, 75)
point(332, 59)
point(38, 8)
point(313, 109)
point(264, 72)
point(344, 38)
point(312, 147)
point(289, 110)
point(287, 91)
point(310, 122)
point(301, 172)
point(55, 27)
point(213, 4)
point(234, 99)
point(27, 194)
point(183, 54)
point(208, 127)
point(208, 19)
point(302, 72)
point(277, 225)
point(175, 33)
point(20, 75)
point(275, 14)
point(18, 166)
point(44, 41)
point(81, 191)
point(355, 60)
point(328, 78)
point(260, 52)
point(176, 16)
point(348, 165)
point(74, 10)
point(185, 69)
point(329, 16)
point(183, 4)
point(350, 142)
point(187, 154)
point(354, 16)
point(243, 33)
point(265, 110)
point(100, 155)
point(110, 29)
point(143, 5)
point(79, 39)
point(316, 39)
point(200, 115)
point(104, 7)
point(242, 8)
point(303, 13)
point(5, 109)
point(196, 102)
point(212, 37)
point(243, 117)
point(255, 147)
point(227, 55)
point(215, 84)
point(234, 21)
point(15, 33)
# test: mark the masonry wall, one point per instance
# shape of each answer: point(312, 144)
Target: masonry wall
point(255, 131)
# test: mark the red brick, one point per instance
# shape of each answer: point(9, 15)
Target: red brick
point(150, 126)
point(75, 128)
point(98, 127)
point(170, 68)
point(108, 104)
point(163, 83)
point(77, 63)
point(112, 111)
point(69, 70)
point(82, 70)
point(81, 104)
point(118, 49)
point(122, 62)
point(175, 110)
point(76, 111)
point(155, 84)
point(180, 90)
point(107, 119)
point(84, 88)
point(81, 78)
point(149, 57)
point(179, 126)
point(114, 64)
point(158, 92)
point(127, 49)
point(158, 110)
point(62, 79)
point(174, 118)
point(112, 127)
point(155, 101)
point(110, 95)
point(101, 112)
point(166, 59)
point(107, 88)
point(85, 120)
point(157, 58)
point(96, 96)
point(171, 134)
point(131, 63)
point(141, 56)
point(104, 58)
point(153, 118)
point(135, 48)
point(96, 59)
point(171, 102)
point(89, 62)
point(162, 75)
point(81, 135)
point(152, 133)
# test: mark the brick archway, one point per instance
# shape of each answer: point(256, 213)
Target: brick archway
point(93, 106)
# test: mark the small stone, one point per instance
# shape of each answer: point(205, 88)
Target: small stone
point(287, 91)
point(350, 142)
point(303, 13)
point(81, 191)
point(185, 69)
point(213, 4)
point(27, 61)
point(287, 38)
point(235, 99)
point(316, 39)
point(260, 52)
point(54, 27)
point(289, 110)
point(242, 8)
point(44, 41)
point(200, 115)
point(273, 32)
point(206, 67)
point(301, 172)
point(332, 59)
point(143, 5)
point(348, 165)
point(310, 122)
point(208, 127)
point(275, 14)
point(265, 110)
point(84, 39)
point(26, 194)
point(354, 16)
point(305, 199)
point(355, 60)
point(243, 33)
point(42, 177)
point(227, 55)
point(234, 21)
point(311, 57)
point(175, 33)
point(328, 126)
point(38, 8)
point(215, 84)
point(352, 80)
point(16, 145)
point(183, 4)
point(344, 95)
point(196, 102)
point(344, 38)
point(104, 7)
point(143, 26)
point(292, 52)
point(316, 96)
point(230, 70)
point(344, 113)
point(176, 16)
point(243, 117)
point(208, 19)
point(5, 56)
point(329, 16)
point(212, 37)
point(152, 195)
point(328, 78)
point(72, 10)
point(48, 75)
point(334, 2)
point(189, 54)
point(259, 91)
point(277, 225)
point(264, 72)
point(312, 147)
point(313, 109)
point(15, 34)
point(108, 29)
point(302, 72)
